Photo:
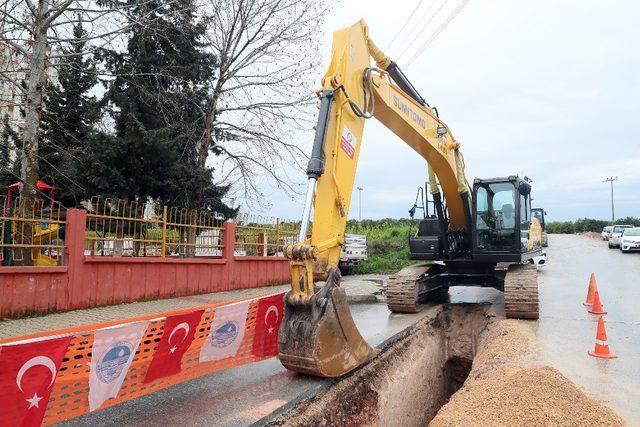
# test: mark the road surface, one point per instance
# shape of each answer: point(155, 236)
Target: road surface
point(566, 330)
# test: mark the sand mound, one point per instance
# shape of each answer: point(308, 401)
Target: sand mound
point(506, 341)
point(591, 235)
point(503, 388)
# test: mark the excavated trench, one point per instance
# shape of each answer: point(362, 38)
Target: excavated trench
point(415, 374)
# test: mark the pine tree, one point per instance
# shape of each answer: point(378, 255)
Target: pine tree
point(70, 114)
point(159, 96)
point(9, 155)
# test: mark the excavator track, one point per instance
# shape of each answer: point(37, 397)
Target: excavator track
point(521, 292)
point(404, 291)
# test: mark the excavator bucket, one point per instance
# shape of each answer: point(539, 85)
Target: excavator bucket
point(320, 338)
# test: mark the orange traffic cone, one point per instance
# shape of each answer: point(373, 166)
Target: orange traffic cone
point(593, 286)
point(597, 305)
point(602, 347)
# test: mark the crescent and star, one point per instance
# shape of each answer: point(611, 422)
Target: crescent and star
point(271, 309)
point(36, 361)
point(183, 325)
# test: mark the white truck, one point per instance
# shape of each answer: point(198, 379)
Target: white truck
point(354, 251)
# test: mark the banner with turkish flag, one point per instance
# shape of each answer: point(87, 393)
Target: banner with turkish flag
point(268, 319)
point(28, 371)
point(176, 339)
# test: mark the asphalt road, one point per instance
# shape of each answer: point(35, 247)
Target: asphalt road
point(566, 330)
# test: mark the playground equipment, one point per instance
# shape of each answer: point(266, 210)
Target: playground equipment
point(43, 213)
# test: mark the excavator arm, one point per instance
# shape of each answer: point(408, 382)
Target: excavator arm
point(318, 335)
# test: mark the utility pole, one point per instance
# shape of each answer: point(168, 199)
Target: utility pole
point(610, 180)
point(360, 204)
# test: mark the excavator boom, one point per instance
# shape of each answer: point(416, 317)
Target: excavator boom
point(318, 335)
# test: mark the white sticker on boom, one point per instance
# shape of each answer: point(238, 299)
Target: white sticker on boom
point(348, 142)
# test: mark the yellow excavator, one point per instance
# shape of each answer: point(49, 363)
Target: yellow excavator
point(481, 235)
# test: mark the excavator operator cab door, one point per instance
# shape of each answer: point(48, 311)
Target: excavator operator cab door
point(501, 220)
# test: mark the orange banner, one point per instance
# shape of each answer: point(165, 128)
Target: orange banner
point(121, 367)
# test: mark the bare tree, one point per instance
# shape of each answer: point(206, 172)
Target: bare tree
point(261, 101)
point(31, 35)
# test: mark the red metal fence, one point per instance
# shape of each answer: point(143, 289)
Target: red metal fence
point(88, 281)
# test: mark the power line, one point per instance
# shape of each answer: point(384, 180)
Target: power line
point(404, 25)
point(418, 23)
point(423, 27)
point(438, 31)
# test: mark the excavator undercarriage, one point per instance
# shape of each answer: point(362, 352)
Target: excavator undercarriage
point(419, 284)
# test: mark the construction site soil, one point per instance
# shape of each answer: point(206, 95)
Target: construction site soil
point(462, 366)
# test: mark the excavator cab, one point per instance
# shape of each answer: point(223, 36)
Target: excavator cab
point(500, 226)
point(501, 220)
point(539, 214)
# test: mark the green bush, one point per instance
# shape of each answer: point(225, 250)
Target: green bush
point(387, 243)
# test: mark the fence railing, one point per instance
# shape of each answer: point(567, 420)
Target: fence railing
point(31, 231)
point(264, 235)
point(119, 228)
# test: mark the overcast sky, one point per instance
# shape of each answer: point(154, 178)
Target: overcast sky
point(547, 89)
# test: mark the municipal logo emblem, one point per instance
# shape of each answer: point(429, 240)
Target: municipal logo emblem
point(113, 362)
point(225, 334)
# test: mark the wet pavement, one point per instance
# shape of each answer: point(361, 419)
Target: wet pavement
point(566, 330)
point(243, 395)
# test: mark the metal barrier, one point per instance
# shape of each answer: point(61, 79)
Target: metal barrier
point(263, 236)
point(119, 228)
point(31, 232)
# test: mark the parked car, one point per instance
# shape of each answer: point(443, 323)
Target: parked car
point(606, 231)
point(614, 237)
point(540, 260)
point(630, 239)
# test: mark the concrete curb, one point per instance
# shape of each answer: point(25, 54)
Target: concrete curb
point(362, 299)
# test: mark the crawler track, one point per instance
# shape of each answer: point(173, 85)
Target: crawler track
point(403, 294)
point(521, 292)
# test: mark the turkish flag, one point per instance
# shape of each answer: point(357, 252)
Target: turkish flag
point(268, 319)
point(27, 373)
point(176, 339)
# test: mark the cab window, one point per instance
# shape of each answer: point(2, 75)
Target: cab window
point(496, 216)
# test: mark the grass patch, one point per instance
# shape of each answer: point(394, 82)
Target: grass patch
point(387, 244)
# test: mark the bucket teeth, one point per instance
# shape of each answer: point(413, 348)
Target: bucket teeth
point(320, 338)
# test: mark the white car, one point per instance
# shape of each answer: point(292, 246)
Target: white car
point(630, 239)
point(606, 231)
point(540, 260)
point(614, 237)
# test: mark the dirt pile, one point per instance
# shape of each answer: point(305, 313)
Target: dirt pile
point(504, 388)
point(479, 367)
point(591, 235)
